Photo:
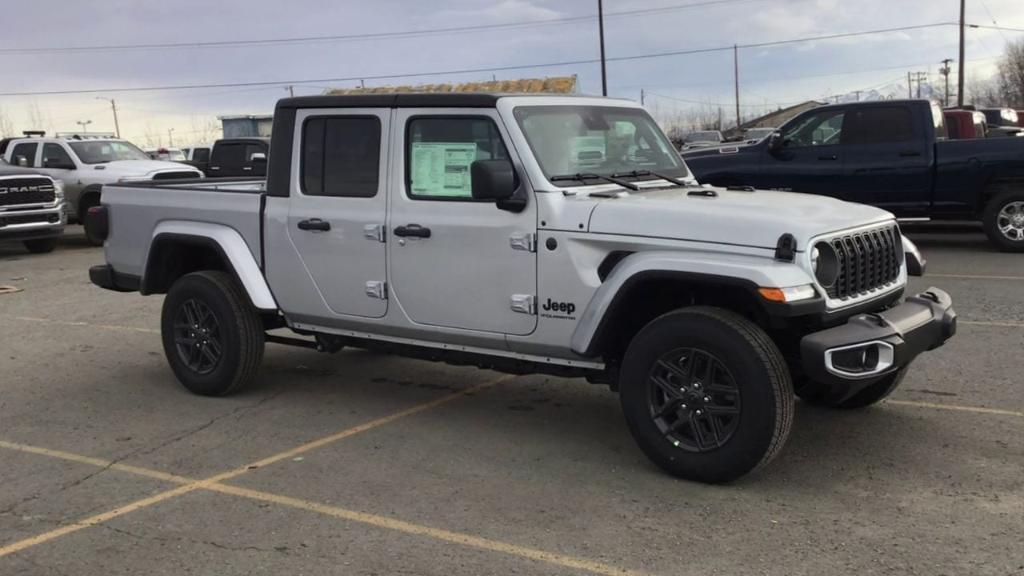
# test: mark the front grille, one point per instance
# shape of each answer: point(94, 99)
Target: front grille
point(29, 219)
point(26, 190)
point(174, 175)
point(868, 261)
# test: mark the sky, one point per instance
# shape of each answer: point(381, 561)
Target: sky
point(770, 76)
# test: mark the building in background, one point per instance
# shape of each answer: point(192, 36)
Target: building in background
point(247, 126)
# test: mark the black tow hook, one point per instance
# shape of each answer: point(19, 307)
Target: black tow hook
point(930, 296)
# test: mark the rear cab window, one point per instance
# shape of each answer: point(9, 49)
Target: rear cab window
point(878, 125)
point(341, 156)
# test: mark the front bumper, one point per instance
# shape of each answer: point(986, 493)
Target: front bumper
point(32, 224)
point(869, 347)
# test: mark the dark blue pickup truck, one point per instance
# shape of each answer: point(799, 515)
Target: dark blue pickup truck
point(893, 154)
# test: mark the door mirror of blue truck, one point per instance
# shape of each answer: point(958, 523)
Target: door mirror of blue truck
point(775, 142)
point(492, 180)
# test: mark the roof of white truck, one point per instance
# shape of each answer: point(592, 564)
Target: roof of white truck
point(408, 100)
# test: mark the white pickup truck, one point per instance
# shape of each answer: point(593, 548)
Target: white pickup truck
point(531, 234)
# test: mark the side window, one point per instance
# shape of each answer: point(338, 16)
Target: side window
point(821, 129)
point(24, 150)
point(341, 156)
point(229, 154)
point(54, 156)
point(878, 126)
point(440, 151)
point(201, 155)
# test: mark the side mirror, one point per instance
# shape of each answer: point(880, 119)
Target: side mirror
point(775, 142)
point(492, 180)
point(21, 161)
point(258, 157)
point(57, 163)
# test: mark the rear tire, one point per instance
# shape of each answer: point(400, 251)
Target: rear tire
point(212, 336)
point(88, 201)
point(1003, 221)
point(706, 394)
point(817, 395)
point(41, 245)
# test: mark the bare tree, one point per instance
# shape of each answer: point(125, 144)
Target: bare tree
point(1010, 79)
point(205, 130)
point(983, 92)
point(38, 119)
point(6, 125)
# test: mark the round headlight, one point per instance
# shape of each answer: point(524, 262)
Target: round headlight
point(825, 263)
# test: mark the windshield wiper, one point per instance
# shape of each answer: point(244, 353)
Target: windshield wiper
point(583, 177)
point(642, 173)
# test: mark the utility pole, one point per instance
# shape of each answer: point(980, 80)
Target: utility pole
point(170, 137)
point(960, 72)
point(641, 96)
point(945, 72)
point(600, 33)
point(736, 81)
point(856, 93)
point(291, 91)
point(84, 124)
point(113, 106)
point(910, 86)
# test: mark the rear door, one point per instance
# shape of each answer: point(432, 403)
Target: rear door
point(455, 261)
point(810, 159)
point(336, 213)
point(887, 159)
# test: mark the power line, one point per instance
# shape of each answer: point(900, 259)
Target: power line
point(478, 70)
point(363, 36)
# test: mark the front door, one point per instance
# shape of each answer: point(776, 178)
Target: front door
point(456, 262)
point(809, 159)
point(336, 213)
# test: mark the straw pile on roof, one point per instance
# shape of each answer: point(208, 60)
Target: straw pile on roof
point(556, 85)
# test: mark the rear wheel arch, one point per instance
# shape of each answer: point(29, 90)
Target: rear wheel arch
point(172, 256)
point(89, 197)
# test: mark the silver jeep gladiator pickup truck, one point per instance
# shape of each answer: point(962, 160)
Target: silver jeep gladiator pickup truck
point(523, 234)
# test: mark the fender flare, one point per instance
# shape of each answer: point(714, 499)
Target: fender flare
point(231, 247)
point(748, 272)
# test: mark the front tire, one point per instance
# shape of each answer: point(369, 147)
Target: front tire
point(1003, 221)
point(706, 394)
point(212, 335)
point(41, 245)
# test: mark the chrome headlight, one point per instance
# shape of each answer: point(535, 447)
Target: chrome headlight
point(58, 190)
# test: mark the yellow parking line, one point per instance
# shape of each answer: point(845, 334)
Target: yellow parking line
point(84, 324)
point(974, 276)
point(435, 533)
point(987, 323)
point(195, 485)
point(155, 474)
point(956, 407)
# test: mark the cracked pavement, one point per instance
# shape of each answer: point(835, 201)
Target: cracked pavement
point(536, 462)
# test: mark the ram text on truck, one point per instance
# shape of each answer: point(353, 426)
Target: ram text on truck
point(532, 234)
point(891, 154)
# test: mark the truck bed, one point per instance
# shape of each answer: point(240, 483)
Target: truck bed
point(141, 211)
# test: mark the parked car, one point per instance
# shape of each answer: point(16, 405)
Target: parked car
point(85, 164)
point(198, 156)
point(892, 154)
point(459, 227)
point(1002, 122)
point(965, 124)
point(703, 139)
point(239, 157)
point(31, 208)
point(166, 154)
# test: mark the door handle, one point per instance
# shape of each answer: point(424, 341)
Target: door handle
point(909, 153)
point(314, 225)
point(413, 230)
point(246, 167)
point(828, 158)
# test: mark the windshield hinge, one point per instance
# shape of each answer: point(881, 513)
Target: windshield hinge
point(377, 289)
point(525, 241)
point(524, 303)
point(374, 232)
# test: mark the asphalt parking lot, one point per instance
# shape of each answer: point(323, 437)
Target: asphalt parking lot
point(363, 463)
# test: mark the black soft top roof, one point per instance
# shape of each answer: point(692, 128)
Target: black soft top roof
point(402, 100)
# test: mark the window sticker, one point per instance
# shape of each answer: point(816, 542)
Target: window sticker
point(442, 168)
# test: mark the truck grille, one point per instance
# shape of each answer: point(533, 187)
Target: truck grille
point(28, 219)
point(26, 190)
point(175, 175)
point(868, 261)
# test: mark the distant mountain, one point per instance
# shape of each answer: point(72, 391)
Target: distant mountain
point(890, 92)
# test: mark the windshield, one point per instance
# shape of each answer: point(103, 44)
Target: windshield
point(705, 137)
point(598, 140)
point(103, 151)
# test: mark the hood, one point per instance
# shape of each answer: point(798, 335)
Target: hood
point(754, 219)
point(124, 168)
